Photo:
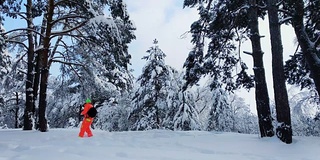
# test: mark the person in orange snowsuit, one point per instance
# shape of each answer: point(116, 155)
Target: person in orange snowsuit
point(87, 121)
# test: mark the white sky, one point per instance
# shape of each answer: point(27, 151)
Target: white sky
point(64, 144)
point(165, 20)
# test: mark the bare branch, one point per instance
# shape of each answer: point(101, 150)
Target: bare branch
point(67, 17)
point(249, 53)
point(279, 3)
point(262, 7)
point(22, 16)
point(285, 20)
point(22, 71)
point(22, 29)
point(76, 73)
point(68, 63)
point(54, 34)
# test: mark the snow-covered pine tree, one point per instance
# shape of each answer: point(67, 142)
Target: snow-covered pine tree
point(13, 91)
point(173, 101)
point(220, 114)
point(186, 118)
point(114, 115)
point(149, 101)
point(64, 103)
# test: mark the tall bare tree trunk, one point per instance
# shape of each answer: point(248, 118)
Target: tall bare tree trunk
point(27, 123)
point(45, 69)
point(36, 85)
point(43, 91)
point(261, 90)
point(37, 71)
point(16, 112)
point(284, 129)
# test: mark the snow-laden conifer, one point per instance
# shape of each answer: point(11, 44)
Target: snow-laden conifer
point(149, 101)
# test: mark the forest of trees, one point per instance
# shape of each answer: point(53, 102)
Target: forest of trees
point(90, 45)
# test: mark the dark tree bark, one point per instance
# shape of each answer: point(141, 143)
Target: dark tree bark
point(16, 111)
point(284, 130)
point(261, 90)
point(308, 47)
point(37, 71)
point(44, 65)
point(27, 123)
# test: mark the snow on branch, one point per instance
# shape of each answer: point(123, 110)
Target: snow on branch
point(22, 29)
point(18, 42)
point(285, 20)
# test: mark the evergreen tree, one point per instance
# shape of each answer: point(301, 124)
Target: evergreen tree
point(149, 101)
point(113, 116)
point(173, 100)
point(225, 23)
point(186, 118)
point(297, 71)
point(220, 114)
point(64, 104)
point(12, 90)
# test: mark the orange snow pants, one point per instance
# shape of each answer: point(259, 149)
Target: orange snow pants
point(85, 127)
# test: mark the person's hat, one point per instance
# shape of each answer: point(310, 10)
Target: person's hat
point(88, 100)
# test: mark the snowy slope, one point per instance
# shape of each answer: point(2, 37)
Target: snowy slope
point(64, 144)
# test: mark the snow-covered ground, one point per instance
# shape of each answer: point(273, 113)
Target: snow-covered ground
point(64, 144)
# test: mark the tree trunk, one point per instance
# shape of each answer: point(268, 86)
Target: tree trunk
point(43, 91)
point(16, 112)
point(37, 71)
point(36, 82)
point(45, 69)
point(27, 123)
point(261, 90)
point(284, 129)
point(307, 46)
